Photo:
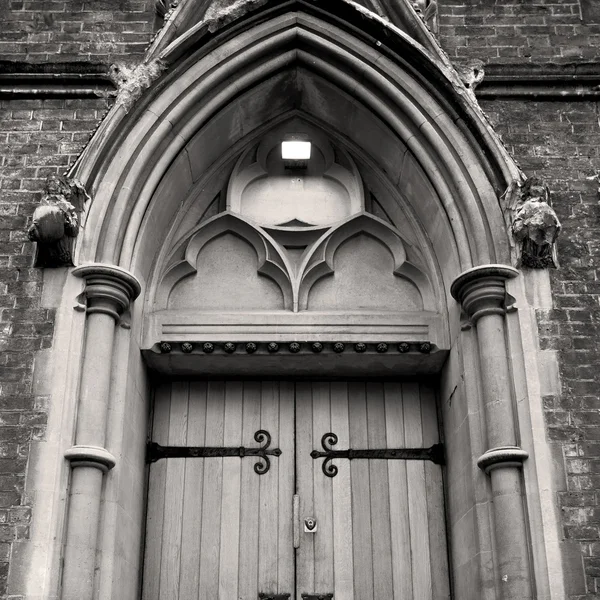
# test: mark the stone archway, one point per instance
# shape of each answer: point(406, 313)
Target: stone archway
point(435, 169)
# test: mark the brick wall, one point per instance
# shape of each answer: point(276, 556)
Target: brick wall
point(506, 31)
point(75, 30)
point(37, 138)
point(558, 141)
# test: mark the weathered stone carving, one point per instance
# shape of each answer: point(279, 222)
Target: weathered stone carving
point(132, 81)
point(427, 9)
point(535, 227)
point(165, 8)
point(56, 221)
point(471, 73)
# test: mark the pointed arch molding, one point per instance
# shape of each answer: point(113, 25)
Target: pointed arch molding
point(418, 99)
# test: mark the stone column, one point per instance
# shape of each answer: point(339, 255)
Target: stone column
point(108, 291)
point(481, 291)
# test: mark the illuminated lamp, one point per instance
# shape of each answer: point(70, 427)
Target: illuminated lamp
point(296, 151)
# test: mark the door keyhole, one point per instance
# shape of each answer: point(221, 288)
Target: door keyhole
point(310, 525)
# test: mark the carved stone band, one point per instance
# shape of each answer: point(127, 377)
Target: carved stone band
point(91, 456)
point(481, 290)
point(108, 289)
point(505, 456)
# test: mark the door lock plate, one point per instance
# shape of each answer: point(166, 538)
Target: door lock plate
point(263, 596)
point(317, 596)
point(310, 525)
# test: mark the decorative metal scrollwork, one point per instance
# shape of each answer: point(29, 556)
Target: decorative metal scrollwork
point(435, 454)
point(156, 452)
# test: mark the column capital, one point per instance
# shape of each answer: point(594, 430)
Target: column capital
point(108, 289)
point(481, 290)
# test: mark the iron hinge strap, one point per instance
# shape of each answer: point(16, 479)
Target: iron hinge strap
point(155, 451)
point(434, 453)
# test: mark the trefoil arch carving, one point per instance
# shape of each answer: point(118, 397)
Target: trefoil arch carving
point(294, 279)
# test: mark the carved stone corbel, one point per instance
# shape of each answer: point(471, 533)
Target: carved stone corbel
point(56, 221)
point(535, 227)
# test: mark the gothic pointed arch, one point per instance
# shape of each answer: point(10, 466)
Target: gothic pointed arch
point(410, 118)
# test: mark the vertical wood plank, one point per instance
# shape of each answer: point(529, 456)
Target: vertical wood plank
point(435, 500)
point(230, 498)
point(192, 498)
point(212, 485)
point(156, 496)
point(172, 526)
point(380, 498)
point(249, 511)
point(284, 466)
point(361, 495)
point(322, 490)
point(417, 498)
point(305, 442)
point(269, 497)
point(342, 497)
point(398, 493)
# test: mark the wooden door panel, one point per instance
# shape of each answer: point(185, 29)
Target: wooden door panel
point(380, 502)
point(343, 558)
point(218, 530)
point(215, 528)
point(305, 554)
point(381, 530)
point(360, 485)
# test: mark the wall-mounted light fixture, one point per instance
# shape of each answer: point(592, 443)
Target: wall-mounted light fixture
point(295, 151)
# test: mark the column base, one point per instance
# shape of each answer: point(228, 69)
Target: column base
point(504, 456)
point(91, 456)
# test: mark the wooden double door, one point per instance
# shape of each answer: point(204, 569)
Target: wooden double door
point(218, 529)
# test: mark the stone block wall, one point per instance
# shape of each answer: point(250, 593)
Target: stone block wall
point(557, 140)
